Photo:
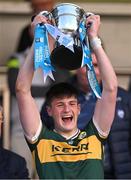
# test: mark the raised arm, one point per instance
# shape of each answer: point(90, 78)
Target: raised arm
point(29, 113)
point(105, 107)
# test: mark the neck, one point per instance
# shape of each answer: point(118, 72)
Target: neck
point(67, 134)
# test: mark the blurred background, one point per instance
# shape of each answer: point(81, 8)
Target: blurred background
point(115, 32)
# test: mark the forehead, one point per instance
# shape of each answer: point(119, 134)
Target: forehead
point(64, 99)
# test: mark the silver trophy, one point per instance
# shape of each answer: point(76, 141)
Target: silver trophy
point(66, 17)
point(71, 48)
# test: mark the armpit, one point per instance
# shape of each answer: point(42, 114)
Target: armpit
point(33, 139)
point(102, 134)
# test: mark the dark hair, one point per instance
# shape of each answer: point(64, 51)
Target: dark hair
point(60, 90)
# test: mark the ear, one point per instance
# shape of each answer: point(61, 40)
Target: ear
point(79, 108)
point(49, 110)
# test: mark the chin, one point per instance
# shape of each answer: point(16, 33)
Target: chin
point(69, 128)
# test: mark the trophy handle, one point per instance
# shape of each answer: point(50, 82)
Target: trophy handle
point(48, 15)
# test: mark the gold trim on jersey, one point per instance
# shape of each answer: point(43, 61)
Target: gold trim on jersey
point(53, 151)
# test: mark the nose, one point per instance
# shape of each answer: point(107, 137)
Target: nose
point(66, 108)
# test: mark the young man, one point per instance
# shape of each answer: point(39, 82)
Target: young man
point(117, 158)
point(65, 152)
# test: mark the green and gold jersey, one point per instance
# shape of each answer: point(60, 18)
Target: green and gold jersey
point(78, 158)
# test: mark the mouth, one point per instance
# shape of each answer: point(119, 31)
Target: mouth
point(67, 119)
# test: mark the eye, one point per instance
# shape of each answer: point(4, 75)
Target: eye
point(60, 105)
point(73, 103)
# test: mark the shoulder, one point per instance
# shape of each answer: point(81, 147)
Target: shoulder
point(92, 130)
point(13, 166)
point(14, 160)
point(123, 95)
point(13, 156)
point(122, 91)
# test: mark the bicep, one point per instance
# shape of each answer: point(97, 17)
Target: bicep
point(29, 114)
point(104, 112)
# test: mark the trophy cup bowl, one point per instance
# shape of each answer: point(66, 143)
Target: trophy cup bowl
point(66, 17)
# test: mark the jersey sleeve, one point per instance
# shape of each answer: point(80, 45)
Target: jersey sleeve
point(94, 131)
point(101, 133)
point(32, 142)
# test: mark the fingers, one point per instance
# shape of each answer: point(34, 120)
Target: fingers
point(93, 23)
point(39, 19)
point(93, 19)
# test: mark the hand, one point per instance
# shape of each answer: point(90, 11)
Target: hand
point(39, 19)
point(93, 23)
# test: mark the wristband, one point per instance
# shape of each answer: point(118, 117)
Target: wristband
point(95, 43)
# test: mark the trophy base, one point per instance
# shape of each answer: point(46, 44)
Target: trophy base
point(64, 58)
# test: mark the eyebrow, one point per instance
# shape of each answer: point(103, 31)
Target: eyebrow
point(60, 101)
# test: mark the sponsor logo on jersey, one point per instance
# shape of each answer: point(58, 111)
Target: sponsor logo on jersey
point(82, 135)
